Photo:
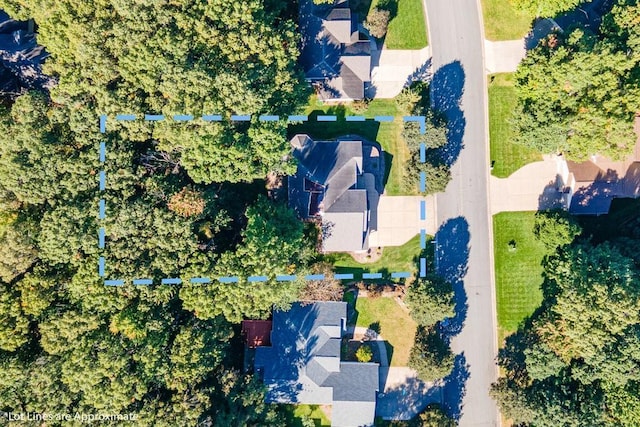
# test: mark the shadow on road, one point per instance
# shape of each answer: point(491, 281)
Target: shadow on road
point(452, 256)
point(454, 387)
point(447, 87)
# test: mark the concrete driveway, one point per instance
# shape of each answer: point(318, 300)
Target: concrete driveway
point(392, 70)
point(532, 187)
point(503, 56)
point(404, 395)
point(399, 220)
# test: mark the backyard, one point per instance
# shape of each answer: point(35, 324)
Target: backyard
point(508, 156)
point(392, 322)
point(296, 414)
point(387, 134)
point(503, 22)
point(518, 270)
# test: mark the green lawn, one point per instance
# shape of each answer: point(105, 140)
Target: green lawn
point(396, 327)
point(394, 259)
point(407, 29)
point(518, 273)
point(296, 412)
point(387, 134)
point(508, 156)
point(503, 22)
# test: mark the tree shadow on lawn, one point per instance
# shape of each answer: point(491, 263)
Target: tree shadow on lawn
point(447, 88)
point(451, 259)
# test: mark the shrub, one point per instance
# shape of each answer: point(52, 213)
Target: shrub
point(364, 354)
point(377, 22)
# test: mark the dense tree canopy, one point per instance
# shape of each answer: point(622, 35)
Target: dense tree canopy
point(578, 93)
point(182, 200)
point(575, 361)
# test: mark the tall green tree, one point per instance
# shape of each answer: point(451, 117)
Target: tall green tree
point(578, 94)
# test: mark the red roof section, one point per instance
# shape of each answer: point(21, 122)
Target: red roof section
point(256, 333)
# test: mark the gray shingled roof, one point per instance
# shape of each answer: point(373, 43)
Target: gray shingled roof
point(347, 196)
point(303, 365)
point(331, 52)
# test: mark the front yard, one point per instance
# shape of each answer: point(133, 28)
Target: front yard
point(518, 271)
point(508, 156)
point(387, 134)
point(394, 259)
point(503, 22)
point(392, 322)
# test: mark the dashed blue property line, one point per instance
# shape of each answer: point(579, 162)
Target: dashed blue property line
point(423, 152)
point(257, 278)
point(101, 266)
point(423, 210)
point(423, 267)
point(103, 180)
point(101, 209)
point(384, 118)
point(101, 234)
point(423, 239)
point(401, 275)
point(420, 119)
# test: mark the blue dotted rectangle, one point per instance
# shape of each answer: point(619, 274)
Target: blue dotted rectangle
point(257, 278)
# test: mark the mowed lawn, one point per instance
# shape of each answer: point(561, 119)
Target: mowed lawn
point(507, 155)
point(396, 326)
point(503, 22)
point(297, 412)
point(519, 272)
point(387, 134)
point(394, 259)
point(408, 28)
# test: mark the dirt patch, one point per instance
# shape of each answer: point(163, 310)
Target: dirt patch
point(370, 256)
point(275, 186)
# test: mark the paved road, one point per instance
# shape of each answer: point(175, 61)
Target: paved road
point(465, 243)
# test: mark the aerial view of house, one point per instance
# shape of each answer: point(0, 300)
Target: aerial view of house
point(338, 182)
point(303, 364)
point(350, 213)
point(335, 55)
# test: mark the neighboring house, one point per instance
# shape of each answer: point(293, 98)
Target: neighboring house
point(334, 57)
point(303, 364)
point(592, 185)
point(339, 183)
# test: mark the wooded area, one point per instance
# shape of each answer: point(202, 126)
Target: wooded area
point(578, 90)
point(183, 200)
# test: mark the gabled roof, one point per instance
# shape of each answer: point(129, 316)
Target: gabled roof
point(332, 52)
point(303, 365)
